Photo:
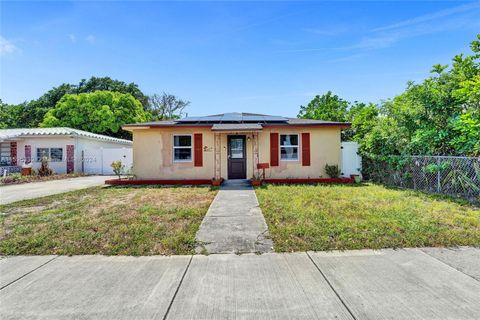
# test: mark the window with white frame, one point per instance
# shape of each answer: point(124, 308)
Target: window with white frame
point(53, 154)
point(289, 147)
point(182, 148)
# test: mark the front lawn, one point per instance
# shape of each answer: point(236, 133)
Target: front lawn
point(326, 217)
point(111, 221)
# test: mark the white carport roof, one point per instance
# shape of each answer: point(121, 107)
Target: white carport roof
point(12, 134)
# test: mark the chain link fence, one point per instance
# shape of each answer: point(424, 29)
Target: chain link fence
point(455, 176)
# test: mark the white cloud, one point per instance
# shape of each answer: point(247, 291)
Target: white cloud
point(72, 37)
point(7, 47)
point(377, 42)
point(328, 31)
point(90, 39)
point(431, 16)
point(456, 18)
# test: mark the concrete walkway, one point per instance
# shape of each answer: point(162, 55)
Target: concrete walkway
point(234, 222)
point(24, 191)
point(364, 284)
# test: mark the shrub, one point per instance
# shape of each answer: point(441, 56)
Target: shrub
point(117, 167)
point(44, 169)
point(13, 177)
point(332, 171)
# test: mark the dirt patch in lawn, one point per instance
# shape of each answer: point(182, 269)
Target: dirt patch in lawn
point(111, 221)
point(327, 217)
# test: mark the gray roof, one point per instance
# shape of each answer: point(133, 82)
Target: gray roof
point(312, 121)
point(236, 127)
point(236, 118)
point(10, 134)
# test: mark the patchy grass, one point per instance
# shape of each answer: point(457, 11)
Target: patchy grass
point(327, 217)
point(111, 221)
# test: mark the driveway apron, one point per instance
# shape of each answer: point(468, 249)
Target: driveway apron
point(234, 222)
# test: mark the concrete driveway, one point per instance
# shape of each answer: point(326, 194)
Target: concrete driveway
point(365, 284)
point(24, 191)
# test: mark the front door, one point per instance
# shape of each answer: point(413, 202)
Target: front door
point(237, 164)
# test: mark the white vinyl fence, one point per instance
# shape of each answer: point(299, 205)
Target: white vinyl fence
point(351, 160)
point(98, 161)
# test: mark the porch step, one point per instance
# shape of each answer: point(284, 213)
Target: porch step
point(236, 184)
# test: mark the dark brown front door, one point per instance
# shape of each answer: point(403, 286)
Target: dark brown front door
point(237, 164)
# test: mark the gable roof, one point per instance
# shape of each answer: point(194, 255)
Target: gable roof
point(10, 134)
point(237, 118)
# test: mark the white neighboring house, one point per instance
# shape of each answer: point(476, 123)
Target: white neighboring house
point(66, 149)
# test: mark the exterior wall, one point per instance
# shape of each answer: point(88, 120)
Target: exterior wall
point(153, 158)
point(45, 142)
point(324, 149)
point(61, 142)
point(153, 155)
point(90, 144)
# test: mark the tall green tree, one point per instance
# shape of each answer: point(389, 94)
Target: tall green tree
point(438, 116)
point(107, 84)
point(363, 118)
point(328, 107)
point(102, 112)
point(31, 114)
point(166, 106)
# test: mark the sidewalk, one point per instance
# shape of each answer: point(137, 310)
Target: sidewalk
point(234, 222)
point(364, 284)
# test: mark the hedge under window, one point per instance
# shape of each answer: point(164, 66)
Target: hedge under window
point(182, 148)
point(289, 147)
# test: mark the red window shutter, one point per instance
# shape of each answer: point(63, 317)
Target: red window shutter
point(198, 149)
point(13, 153)
point(70, 158)
point(305, 149)
point(274, 149)
point(28, 153)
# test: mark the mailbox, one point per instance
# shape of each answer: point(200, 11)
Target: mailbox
point(263, 165)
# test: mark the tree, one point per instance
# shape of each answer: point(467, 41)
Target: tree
point(107, 84)
point(439, 116)
point(166, 106)
point(31, 114)
point(35, 110)
point(326, 107)
point(363, 118)
point(102, 112)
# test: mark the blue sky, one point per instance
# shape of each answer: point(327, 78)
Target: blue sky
point(265, 57)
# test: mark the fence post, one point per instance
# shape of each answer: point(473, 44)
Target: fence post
point(439, 187)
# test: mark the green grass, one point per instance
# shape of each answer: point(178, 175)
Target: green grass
point(110, 221)
point(327, 217)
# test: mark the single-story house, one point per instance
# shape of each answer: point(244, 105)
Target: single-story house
point(64, 147)
point(235, 146)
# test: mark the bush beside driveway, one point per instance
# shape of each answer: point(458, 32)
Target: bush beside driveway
point(110, 221)
point(327, 217)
